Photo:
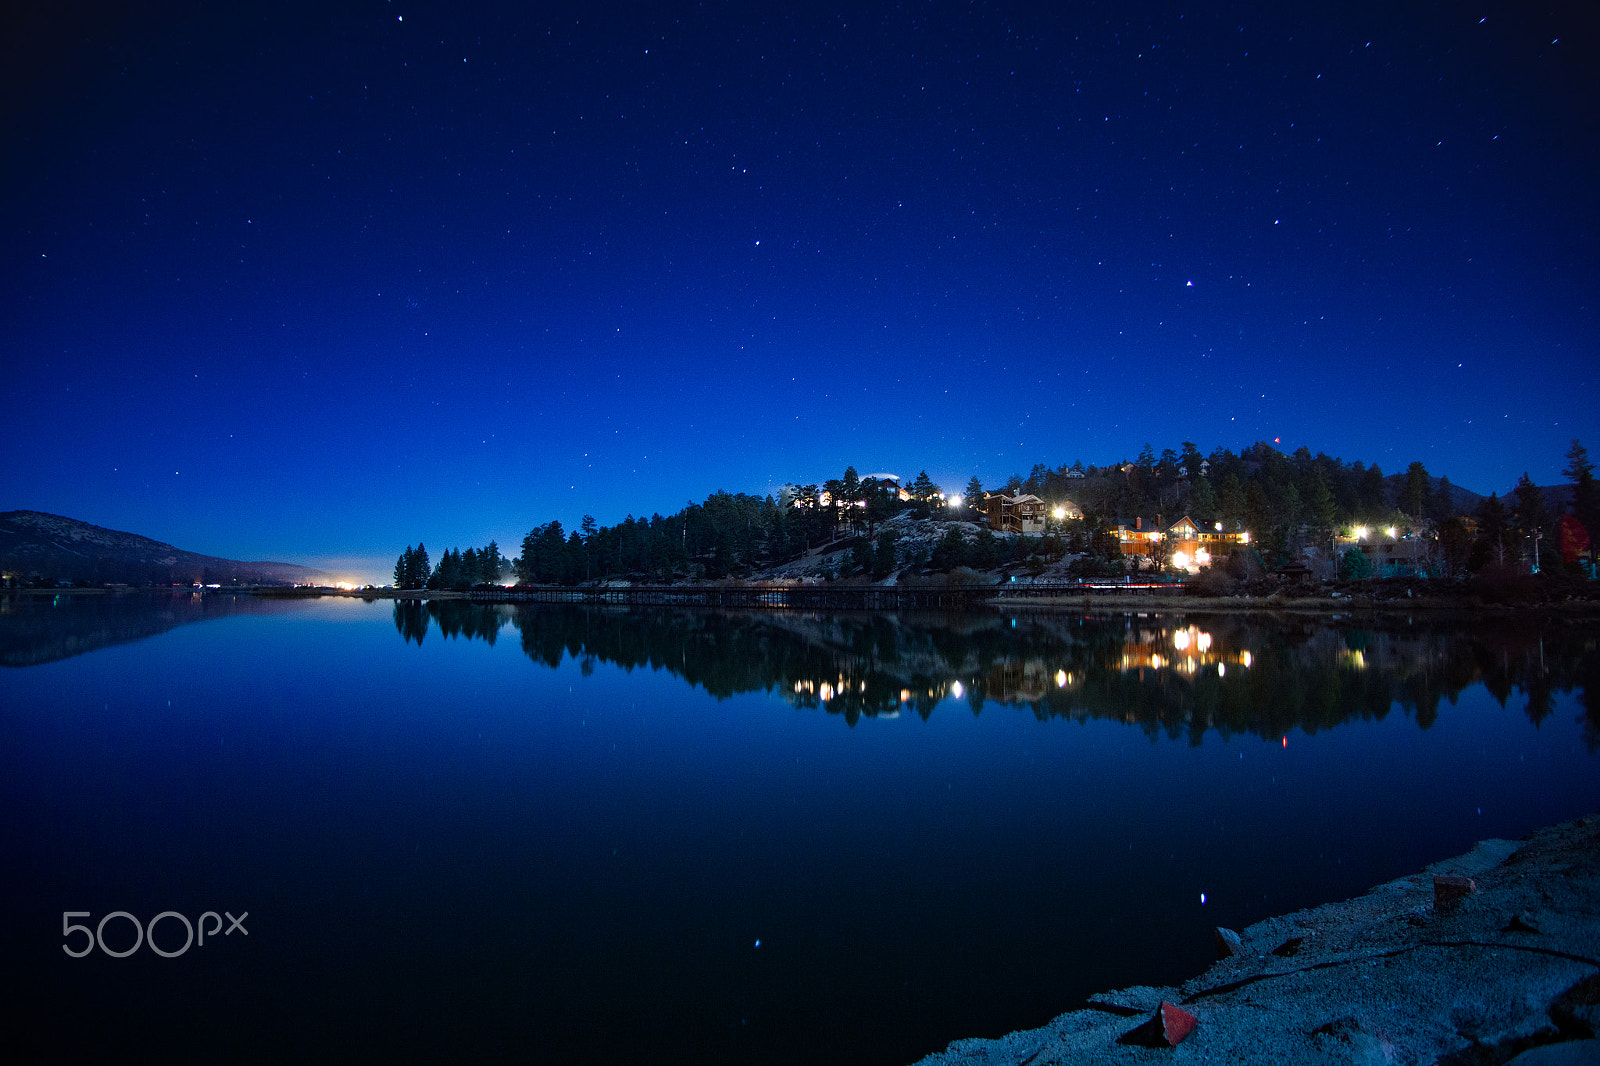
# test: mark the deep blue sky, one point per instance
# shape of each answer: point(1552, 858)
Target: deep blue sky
point(311, 281)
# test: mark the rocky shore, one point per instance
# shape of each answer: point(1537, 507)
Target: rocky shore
point(1491, 957)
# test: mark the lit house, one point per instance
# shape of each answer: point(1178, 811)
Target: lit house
point(1192, 546)
point(1388, 551)
point(1139, 540)
point(1014, 514)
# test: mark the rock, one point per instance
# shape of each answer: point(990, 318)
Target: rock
point(1449, 890)
point(1349, 1040)
point(1229, 945)
point(1289, 948)
point(1167, 1028)
point(1521, 922)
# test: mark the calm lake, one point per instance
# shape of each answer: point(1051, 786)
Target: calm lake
point(558, 834)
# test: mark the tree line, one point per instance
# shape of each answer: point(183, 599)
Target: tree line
point(1286, 501)
point(456, 570)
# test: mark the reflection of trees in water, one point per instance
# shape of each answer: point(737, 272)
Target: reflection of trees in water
point(455, 618)
point(1167, 674)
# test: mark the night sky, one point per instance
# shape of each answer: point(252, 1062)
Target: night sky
point(313, 281)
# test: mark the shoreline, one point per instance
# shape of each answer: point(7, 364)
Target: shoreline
point(1432, 606)
point(1508, 972)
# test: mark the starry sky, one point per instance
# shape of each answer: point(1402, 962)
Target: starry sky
point(313, 281)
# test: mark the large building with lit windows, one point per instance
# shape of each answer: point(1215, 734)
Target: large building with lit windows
point(1193, 546)
point(1389, 552)
point(1025, 513)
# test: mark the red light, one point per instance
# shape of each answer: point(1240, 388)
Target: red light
point(1286, 740)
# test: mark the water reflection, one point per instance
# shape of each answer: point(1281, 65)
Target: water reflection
point(36, 629)
point(1177, 675)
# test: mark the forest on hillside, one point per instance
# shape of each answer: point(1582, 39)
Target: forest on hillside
point(1285, 501)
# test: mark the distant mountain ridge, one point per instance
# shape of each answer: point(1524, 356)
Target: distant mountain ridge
point(34, 544)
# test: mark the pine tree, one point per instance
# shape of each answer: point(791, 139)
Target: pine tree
point(1585, 491)
point(1444, 506)
point(883, 559)
point(492, 563)
point(1417, 492)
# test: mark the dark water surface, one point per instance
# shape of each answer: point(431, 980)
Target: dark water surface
point(563, 835)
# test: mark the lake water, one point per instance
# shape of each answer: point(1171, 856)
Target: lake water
point(557, 834)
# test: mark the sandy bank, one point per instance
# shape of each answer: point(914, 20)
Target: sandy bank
point(1508, 973)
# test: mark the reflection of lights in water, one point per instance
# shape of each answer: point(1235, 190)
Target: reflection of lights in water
point(1286, 740)
point(825, 691)
point(1061, 679)
point(1245, 659)
point(1184, 639)
point(957, 690)
point(1222, 669)
point(1157, 662)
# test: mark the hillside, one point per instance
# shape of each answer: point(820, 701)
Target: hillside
point(38, 545)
